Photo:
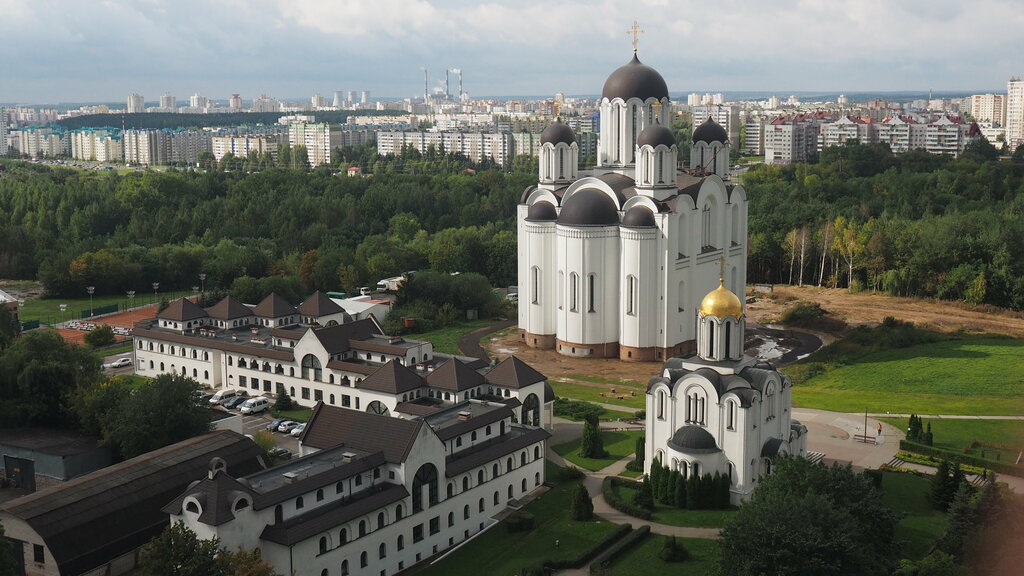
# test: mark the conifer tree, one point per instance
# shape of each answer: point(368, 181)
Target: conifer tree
point(680, 491)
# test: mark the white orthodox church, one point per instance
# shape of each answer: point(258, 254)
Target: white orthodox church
point(612, 263)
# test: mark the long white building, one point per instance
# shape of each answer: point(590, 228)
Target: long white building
point(318, 139)
point(1015, 113)
point(98, 144)
point(498, 147)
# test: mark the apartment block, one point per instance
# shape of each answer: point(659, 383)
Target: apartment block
point(1015, 112)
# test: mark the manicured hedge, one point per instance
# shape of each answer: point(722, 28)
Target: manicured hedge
point(582, 559)
point(1003, 467)
point(617, 549)
point(611, 495)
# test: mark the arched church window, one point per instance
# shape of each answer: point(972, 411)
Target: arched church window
point(728, 339)
point(661, 404)
point(711, 339)
point(591, 291)
point(730, 415)
point(631, 294)
point(311, 365)
point(705, 228)
point(574, 292)
point(561, 289)
point(535, 285)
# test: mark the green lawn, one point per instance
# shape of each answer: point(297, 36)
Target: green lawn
point(499, 552)
point(47, 310)
point(594, 394)
point(111, 350)
point(619, 444)
point(1003, 436)
point(599, 380)
point(299, 414)
point(922, 525)
point(642, 560)
point(446, 340)
point(680, 517)
point(975, 376)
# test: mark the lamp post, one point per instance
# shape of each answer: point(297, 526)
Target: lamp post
point(63, 308)
point(131, 313)
point(202, 283)
point(90, 290)
point(156, 288)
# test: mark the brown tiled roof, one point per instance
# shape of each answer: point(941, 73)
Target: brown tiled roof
point(454, 375)
point(318, 304)
point(228, 309)
point(291, 334)
point(461, 462)
point(324, 518)
point(336, 339)
point(182, 310)
point(331, 426)
point(352, 367)
point(417, 409)
point(92, 519)
point(513, 373)
point(273, 306)
point(380, 347)
point(392, 378)
point(221, 343)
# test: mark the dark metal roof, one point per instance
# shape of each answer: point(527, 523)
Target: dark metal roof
point(589, 207)
point(635, 80)
point(542, 212)
point(693, 440)
point(710, 131)
point(318, 304)
point(455, 376)
point(324, 518)
point(92, 519)
point(392, 378)
point(365, 369)
point(331, 426)
point(228, 309)
point(513, 373)
point(336, 339)
point(463, 426)
point(656, 134)
point(465, 461)
point(222, 343)
point(639, 217)
point(182, 310)
point(274, 306)
point(558, 133)
point(771, 448)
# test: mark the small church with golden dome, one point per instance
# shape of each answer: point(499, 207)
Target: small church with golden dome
point(721, 410)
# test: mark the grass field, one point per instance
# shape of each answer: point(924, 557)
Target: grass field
point(619, 444)
point(594, 394)
point(971, 375)
point(500, 552)
point(446, 340)
point(956, 434)
point(299, 414)
point(922, 525)
point(47, 310)
point(642, 560)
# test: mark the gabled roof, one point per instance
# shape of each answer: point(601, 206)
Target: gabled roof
point(318, 304)
point(182, 310)
point(94, 518)
point(454, 375)
point(331, 426)
point(217, 495)
point(324, 518)
point(335, 339)
point(273, 306)
point(392, 378)
point(513, 373)
point(228, 309)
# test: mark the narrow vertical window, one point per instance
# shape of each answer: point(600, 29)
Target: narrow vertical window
point(574, 292)
point(591, 292)
point(631, 289)
point(561, 289)
point(711, 339)
point(728, 336)
point(535, 285)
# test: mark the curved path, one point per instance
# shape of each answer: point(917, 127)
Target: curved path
point(469, 343)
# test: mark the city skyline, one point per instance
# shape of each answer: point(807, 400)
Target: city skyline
point(106, 51)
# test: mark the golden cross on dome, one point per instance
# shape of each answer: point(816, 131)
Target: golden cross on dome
point(636, 31)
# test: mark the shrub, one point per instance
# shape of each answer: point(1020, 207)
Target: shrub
point(673, 551)
point(582, 507)
point(519, 521)
point(610, 489)
point(576, 409)
point(284, 401)
point(102, 335)
point(801, 313)
point(617, 549)
point(591, 444)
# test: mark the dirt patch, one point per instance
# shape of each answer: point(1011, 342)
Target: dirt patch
point(22, 289)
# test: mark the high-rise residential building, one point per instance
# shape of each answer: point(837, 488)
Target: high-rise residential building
point(98, 144)
point(1015, 112)
point(242, 146)
point(235, 103)
point(38, 141)
point(3, 130)
point(136, 104)
point(338, 100)
point(144, 147)
point(168, 102)
point(364, 97)
point(790, 139)
point(318, 101)
point(989, 108)
point(726, 116)
point(318, 140)
point(694, 99)
point(197, 100)
point(265, 103)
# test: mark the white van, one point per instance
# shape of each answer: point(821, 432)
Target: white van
point(222, 396)
point(254, 405)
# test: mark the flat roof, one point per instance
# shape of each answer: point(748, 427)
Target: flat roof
point(306, 467)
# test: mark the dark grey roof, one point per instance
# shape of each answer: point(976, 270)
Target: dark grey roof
point(418, 408)
point(216, 496)
point(324, 518)
point(589, 207)
point(331, 426)
point(558, 133)
point(542, 211)
point(513, 373)
point(336, 339)
point(710, 131)
point(655, 135)
point(639, 217)
point(228, 309)
point(466, 460)
point(746, 396)
point(224, 344)
point(318, 304)
point(635, 80)
point(771, 448)
point(463, 426)
point(392, 378)
point(92, 519)
point(455, 376)
point(757, 377)
point(273, 306)
point(714, 377)
point(549, 393)
point(182, 310)
point(693, 440)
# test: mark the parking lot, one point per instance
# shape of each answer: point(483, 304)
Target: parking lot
point(258, 422)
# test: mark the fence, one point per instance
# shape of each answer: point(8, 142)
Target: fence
point(100, 310)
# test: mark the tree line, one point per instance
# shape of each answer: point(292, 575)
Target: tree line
point(173, 120)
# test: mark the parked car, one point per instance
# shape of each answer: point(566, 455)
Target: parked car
point(254, 405)
point(223, 395)
point(282, 453)
point(121, 363)
point(272, 426)
point(232, 403)
point(287, 426)
point(297, 431)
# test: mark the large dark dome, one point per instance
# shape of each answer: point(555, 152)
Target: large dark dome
point(639, 217)
point(693, 440)
point(557, 133)
point(635, 80)
point(656, 134)
point(589, 207)
point(542, 211)
point(710, 131)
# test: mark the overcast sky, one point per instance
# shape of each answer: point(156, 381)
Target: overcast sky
point(103, 50)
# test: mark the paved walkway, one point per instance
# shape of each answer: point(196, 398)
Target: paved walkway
point(469, 343)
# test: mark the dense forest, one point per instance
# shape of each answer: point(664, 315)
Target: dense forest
point(864, 218)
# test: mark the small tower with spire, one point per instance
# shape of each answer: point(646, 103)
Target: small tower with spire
point(720, 324)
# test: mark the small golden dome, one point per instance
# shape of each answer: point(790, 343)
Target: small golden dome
point(721, 302)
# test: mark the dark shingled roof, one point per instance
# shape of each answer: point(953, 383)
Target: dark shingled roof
point(542, 212)
point(331, 426)
point(318, 304)
point(324, 518)
point(639, 217)
point(635, 80)
point(182, 310)
point(224, 343)
point(693, 440)
point(228, 309)
point(92, 519)
point(466, 460)
point(771, 448)
point(455, 376)
point(558, 133)
point(462, 426)
point(513, 373)
point(656, 134)
point(710, 131)
point(589, 207)
point(392, 378)
point(216, 496)
point(336, 339)
point(273, 306)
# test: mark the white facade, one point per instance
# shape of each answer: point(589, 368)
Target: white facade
point(848, 129)
point(242, 146)
point(499, 147)
point(318, 139)
point(989, 108)
point(98, 144)
point(3, 130)
point(1015, 113)
point(36, 141)
point(168, 102)
point(136, 104)
point(145, 147)
point(788, 140)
